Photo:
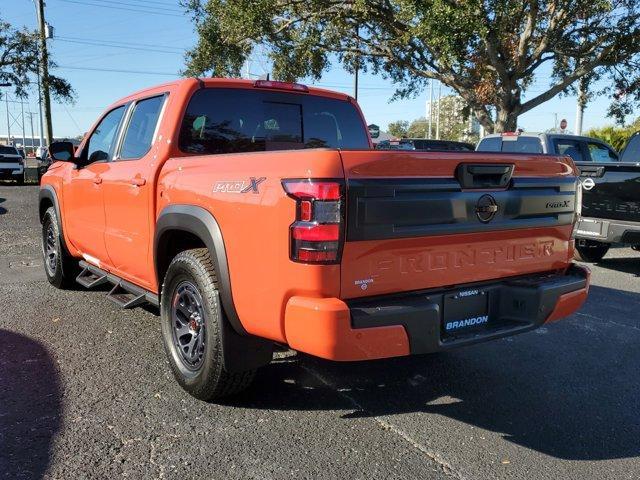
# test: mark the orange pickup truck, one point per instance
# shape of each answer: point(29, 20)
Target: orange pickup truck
point(257, 213)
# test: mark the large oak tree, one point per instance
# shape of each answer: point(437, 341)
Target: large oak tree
point(19, 63)
point(489, 51)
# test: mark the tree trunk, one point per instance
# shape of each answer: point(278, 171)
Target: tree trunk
point(485, 120)
point(507, 121)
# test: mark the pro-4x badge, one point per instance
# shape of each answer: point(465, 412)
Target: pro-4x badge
point(239, 186)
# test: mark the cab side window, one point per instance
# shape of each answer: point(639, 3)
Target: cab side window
point(101, 142)
point(600, 153)
point(570, 148)
point(142, 126)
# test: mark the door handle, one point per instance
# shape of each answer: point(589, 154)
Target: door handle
point(97, 180)
point(138, 181)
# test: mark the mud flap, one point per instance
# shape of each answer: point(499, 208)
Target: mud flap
point(243, 352)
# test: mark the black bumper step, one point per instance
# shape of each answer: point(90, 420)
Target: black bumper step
point(511, 306)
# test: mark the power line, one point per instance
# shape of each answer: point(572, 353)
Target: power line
point(98, 44)
point(96, 69)
point(154, 2)
point(168, 74)
point(118, 42)
point(128, 4)
point(119, 8)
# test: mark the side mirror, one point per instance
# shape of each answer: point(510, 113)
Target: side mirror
point(61, 151)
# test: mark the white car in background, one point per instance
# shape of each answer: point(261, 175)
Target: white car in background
point(11, 164)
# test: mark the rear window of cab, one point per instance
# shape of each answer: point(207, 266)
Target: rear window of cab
point(511, 144)
point(227, 120)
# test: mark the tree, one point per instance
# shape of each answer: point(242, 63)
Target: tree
point(617, 137)
point(19, 63)
point(488, 51)
point(399, 128)
point(418, 128)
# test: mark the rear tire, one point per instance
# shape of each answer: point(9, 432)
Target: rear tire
point(591, 251)
point(192, 328)
point(59, 266)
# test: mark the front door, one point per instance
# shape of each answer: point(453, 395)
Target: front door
point(128, 186)
point(84, 218)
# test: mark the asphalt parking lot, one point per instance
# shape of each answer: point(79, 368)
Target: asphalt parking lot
point(85, 392)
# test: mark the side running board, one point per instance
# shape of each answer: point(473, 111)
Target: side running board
point(124, 294)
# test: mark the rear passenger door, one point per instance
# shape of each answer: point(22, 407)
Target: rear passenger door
point(128, 190)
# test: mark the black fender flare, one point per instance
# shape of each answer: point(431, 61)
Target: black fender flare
point(47, 192)
point(241, 350)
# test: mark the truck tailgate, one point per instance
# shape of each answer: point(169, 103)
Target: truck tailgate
point(610, 190)
point(410, 224)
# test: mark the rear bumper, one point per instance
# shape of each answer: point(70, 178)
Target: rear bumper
point(9, 171)
point(609, 231)
point(409, 324)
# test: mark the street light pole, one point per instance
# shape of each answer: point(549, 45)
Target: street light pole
point(8, 124)
point(24, 140)
point(6, 98)
point(33, 147)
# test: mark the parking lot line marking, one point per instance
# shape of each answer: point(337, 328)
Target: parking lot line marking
point(617, 324)
point(444, 466)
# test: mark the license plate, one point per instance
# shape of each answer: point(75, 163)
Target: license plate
point(464, 311)
point(591, 228)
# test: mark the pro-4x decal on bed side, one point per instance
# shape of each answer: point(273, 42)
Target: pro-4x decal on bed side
point(239, 186)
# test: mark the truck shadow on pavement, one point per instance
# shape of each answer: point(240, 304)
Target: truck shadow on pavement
point(626, 265)
point(569, 390)
point(2, 209)
point(30, 406)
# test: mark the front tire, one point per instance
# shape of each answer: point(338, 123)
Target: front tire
point(192, 328)
point(591, 251)
point(59, 266)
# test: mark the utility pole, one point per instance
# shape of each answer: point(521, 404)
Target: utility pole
point(356, 73)
point(44, 72)
point(430, 108)
point(355, 83)
point(438, 111)
point(582, 102)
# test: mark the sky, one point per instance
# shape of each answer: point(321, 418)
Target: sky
point(108, 49)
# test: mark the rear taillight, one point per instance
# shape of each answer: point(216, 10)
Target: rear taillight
point(317, 233)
